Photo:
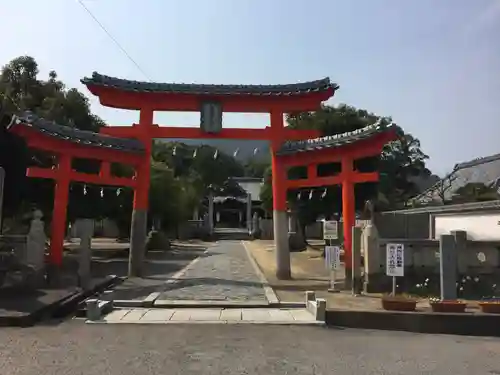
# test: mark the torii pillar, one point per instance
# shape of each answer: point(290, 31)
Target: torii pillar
point(279, 178)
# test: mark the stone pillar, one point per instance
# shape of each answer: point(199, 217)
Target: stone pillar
point(35, 246)
point(211, 213)
point(357, 283)
point(256, 225)
point(448, 266)
point(280, 229)
point(2, 178)
point(249, 213)
point(85, 231)
point(371, 253)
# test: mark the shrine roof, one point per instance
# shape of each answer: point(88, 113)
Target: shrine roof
point(77, 136)
point(338, 140)
point(321, 85)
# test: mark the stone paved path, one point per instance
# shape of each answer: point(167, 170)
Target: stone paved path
point(211, 315)
point(223, 273)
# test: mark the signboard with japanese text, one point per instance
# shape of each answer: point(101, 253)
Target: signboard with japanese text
point(395, 260)
point(211, 117)
point(330, 230)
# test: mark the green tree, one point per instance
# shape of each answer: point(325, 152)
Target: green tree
point(21, 89)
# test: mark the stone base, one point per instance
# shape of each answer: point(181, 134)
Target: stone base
point(138, 236)
point(280, 226)
point(348, 279)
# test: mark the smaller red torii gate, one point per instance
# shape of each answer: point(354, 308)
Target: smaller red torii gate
point(344, 149)
point(67, 144)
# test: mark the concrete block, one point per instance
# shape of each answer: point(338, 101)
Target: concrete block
point(302, 315)
point(116, 315)
point(134, 315)
point(158, 315)
point(281, 315)
point(255, 315)
point(320, 309)
point(206, 314)
point(310, 296)
point(230, 314)
point(93, 310)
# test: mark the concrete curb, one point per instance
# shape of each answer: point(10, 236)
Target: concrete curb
point(271, 296)
point(218, 304)
point(228, 322)
point(419, 322)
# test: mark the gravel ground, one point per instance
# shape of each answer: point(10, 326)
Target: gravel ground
point(76, 348)
point(224, 273)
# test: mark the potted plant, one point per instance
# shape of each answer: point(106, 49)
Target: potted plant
point(399, 303)
point(447, 306)
point(491, 306)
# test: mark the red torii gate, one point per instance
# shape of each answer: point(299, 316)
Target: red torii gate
point(344, 149)
point(211, 101)
point(67, 144)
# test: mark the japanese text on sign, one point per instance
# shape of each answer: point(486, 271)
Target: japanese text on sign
point(395, 260)
point(332, 257)
point(330, 230)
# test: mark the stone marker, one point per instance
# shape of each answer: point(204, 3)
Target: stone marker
point(35, 246)
point(211, 213)
point(249, 213)
point(357, 282)
point(448, 266)
point(372, 258)
point(85, 232)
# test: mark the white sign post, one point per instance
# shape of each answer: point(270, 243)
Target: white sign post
point(332, 262)
point(330, 230)
point(395, 262)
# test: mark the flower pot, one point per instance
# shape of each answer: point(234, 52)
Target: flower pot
point(399, 304)
point(490, 307)
point(448, 306)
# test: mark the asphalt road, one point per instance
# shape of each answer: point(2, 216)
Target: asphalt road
point(76, 348)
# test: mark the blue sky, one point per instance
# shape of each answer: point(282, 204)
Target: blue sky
point(433, 65)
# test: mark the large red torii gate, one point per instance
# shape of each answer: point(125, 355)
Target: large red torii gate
point(147, 97)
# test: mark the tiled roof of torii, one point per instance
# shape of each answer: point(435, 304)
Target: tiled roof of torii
point(202, 89)
point(82, 137)
point(337, 140)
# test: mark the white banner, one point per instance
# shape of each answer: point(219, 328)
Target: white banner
point(332, 257)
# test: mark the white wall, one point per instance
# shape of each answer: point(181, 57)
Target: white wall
point(479, 227)
point(253, 188)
